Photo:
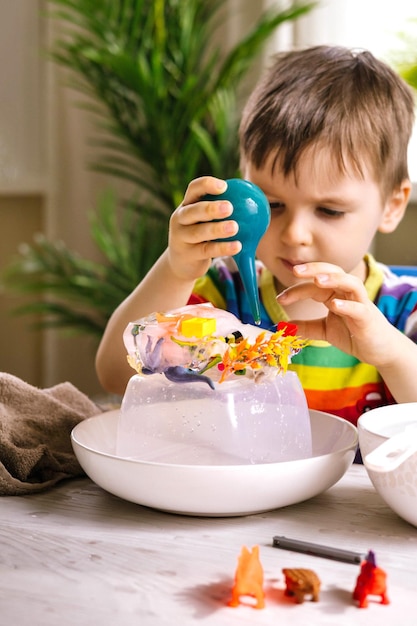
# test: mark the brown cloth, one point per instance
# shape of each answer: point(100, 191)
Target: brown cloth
point(35, 429)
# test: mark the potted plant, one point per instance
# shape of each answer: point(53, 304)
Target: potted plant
point(166, 102)
point(405, 59)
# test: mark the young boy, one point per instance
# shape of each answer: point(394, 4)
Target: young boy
point(325, 136)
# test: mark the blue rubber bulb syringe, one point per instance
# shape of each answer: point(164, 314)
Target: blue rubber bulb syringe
point(252, 213)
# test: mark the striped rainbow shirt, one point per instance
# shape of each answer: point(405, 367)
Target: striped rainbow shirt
point(333, 381)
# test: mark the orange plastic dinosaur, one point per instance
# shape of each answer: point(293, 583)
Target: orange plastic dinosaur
point(370, 582)
point(249, 578)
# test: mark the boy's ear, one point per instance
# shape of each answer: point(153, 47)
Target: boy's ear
point(395, 207)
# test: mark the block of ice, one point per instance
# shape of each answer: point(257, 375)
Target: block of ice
point(211, 390)
point(239, 422)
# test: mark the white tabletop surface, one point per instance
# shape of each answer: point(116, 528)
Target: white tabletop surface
point(76, 555)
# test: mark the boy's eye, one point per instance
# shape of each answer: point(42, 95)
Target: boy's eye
point(277, 206)
point(330, 212)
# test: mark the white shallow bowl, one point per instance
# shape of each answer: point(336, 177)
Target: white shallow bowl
point(398, 487)
point(215, 490)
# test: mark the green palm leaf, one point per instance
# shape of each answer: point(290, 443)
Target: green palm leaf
point(164, 98)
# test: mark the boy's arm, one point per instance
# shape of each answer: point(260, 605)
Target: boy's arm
point(168, 284)
point(159, 287)
point(355, 325)
point(399, 373)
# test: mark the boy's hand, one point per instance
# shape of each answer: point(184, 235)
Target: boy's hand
point(193, 233)
point(353, 324)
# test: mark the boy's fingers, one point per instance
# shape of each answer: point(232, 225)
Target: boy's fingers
point(201, 186)
point(212, 249)
point(209, 231)
point(309, 270)
point(204, 211)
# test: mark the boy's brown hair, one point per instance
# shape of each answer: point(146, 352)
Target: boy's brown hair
point(345, 101)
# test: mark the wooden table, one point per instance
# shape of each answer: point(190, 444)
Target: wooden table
point(76, 555)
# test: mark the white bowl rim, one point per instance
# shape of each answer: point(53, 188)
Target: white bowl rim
point(111, 415)
point(373, 420)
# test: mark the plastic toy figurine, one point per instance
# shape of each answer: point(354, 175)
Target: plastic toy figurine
point(370, 582)
point(252, 212)
point(301, 582)
point(186, 343)
point(249, 578)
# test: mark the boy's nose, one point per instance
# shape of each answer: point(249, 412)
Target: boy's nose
point(296, 231)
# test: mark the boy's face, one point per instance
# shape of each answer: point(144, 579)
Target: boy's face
point(324, 215)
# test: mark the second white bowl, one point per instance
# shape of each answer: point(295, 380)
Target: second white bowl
point(397, 487)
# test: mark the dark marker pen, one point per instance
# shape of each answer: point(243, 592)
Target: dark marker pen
point(316, 549)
